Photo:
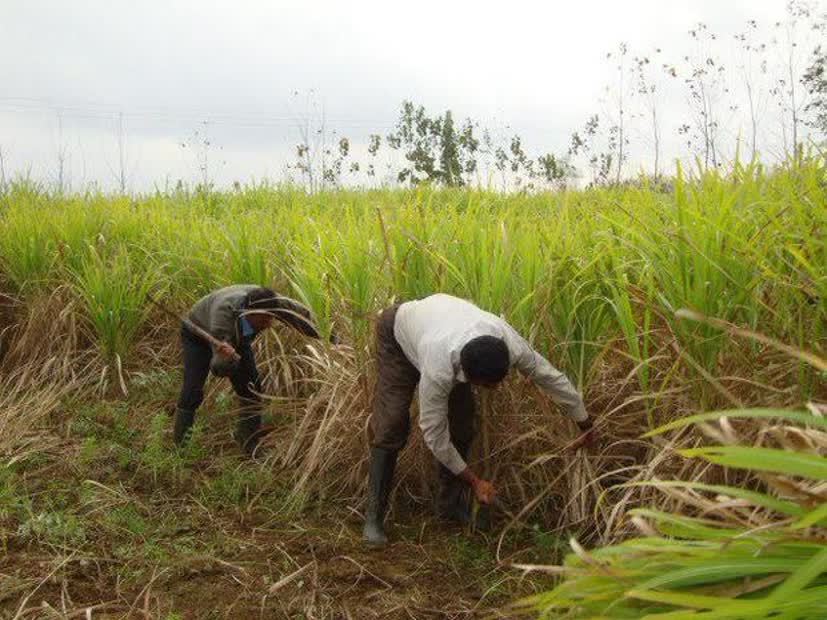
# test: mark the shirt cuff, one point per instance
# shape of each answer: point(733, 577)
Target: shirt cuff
point(579, 413)
point(452, 461)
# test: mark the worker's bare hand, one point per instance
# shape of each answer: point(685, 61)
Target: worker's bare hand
point(227, 350)
point(484, 491)
point(587, 436)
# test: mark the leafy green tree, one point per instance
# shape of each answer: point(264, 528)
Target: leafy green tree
point(815, 81)
point(436, 150)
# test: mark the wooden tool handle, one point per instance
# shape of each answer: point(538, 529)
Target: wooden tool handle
point(192, 327)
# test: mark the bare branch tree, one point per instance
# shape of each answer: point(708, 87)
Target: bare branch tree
point(320, 153)
point(706, 85)
point(202, 147)
point(2, 172)
point(122, 156)
point(793, 43)
point(648, 89)
point(617, 110)
point(754, 69)
point(62, 155)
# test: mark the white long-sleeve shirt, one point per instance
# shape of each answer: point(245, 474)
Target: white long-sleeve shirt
point(432, 333)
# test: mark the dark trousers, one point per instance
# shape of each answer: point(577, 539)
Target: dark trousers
point(197, 356)
point(396, 383)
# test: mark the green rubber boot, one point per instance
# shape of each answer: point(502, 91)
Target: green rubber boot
point(382, 465)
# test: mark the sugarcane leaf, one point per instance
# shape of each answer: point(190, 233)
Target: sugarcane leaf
point(802, 417)
point(814, 517)
point(686, 527)
point(763, 459)
point(716, 570)
point(759, 499)
point(799, 580)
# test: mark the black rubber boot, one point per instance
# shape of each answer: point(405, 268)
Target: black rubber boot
point(382, 465)
point(452, 498)
point(247, 431)
point(183, 423)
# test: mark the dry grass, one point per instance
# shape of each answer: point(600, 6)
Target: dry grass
point(29, 396)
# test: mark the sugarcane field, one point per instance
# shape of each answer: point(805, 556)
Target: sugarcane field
point(547, 345)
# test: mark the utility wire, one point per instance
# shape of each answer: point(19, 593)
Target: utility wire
point(27, 105)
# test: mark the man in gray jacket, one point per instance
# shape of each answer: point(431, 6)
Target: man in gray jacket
point(234, 315)
point(445, 345)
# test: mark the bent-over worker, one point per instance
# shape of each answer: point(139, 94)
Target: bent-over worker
point(445, 345)
point(235, 315)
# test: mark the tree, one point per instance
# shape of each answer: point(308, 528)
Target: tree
point(815, 81)
point(62, 180)
point(374, 144)
point(586, 144)
point(754, 69)
point(2, 172)
point(647, 88)
point(121, 174)
point(321, 154)
point(435, 150)
point(706, 85)
point(201, 146)
point(449, 157)
point(335, 159)
point(554, 171)
point(618, 139)
point(793, 39)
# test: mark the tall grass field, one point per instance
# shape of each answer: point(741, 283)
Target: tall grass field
point(659, 300)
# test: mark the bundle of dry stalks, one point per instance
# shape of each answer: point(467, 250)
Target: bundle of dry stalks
point(44, 334)
point(28, 397)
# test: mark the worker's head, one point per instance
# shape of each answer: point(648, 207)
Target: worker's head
point(261, 303)
point(485, 360)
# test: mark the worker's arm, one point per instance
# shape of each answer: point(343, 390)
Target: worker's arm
point(433, 420)
point(225, 358)
point(549, 379)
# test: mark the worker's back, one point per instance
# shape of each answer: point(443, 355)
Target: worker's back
point(440, 325)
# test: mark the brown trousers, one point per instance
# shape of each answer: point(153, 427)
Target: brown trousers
point(397, 378)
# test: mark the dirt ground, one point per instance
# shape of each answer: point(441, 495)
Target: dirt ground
point(290, 570)
point(110, 523)
point(296, 573)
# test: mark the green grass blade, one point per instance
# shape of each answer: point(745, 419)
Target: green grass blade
point(755, 497)
point(801, 417)
point(763, 459)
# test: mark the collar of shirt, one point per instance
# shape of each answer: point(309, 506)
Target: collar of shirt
point(459, 373)
point(247, 330)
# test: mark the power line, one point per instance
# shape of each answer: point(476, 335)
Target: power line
point(111, 112)
point(104, 111)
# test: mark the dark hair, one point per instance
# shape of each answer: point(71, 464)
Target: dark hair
point(262, 298)
point(485, 359)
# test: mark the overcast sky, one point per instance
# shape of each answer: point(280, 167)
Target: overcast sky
point(69, 70)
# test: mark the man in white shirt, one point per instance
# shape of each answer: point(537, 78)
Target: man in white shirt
point(445, 345)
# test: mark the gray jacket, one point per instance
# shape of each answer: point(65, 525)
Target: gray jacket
point(219, 313)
